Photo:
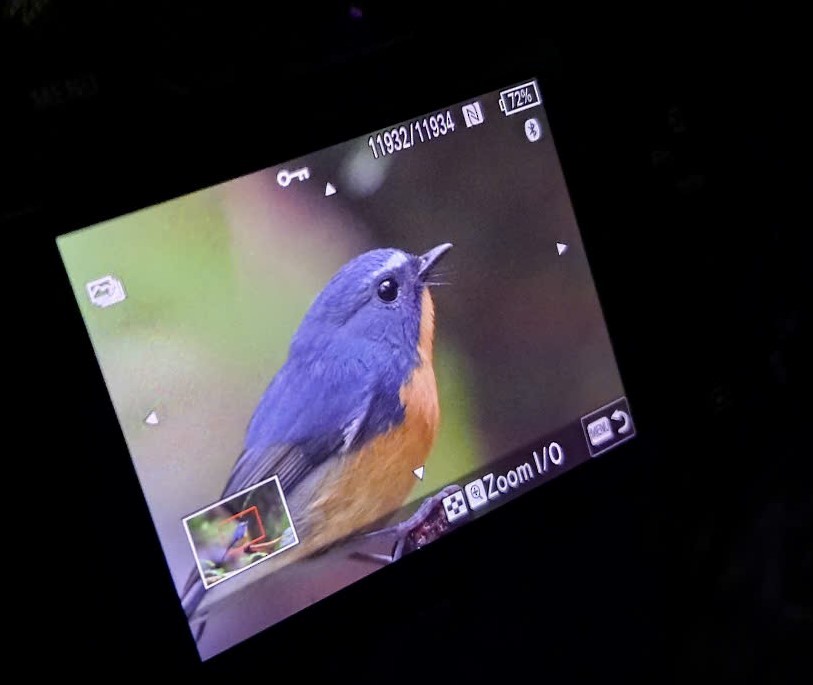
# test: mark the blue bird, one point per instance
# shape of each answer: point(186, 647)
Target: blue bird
point(354, 409)
point(239, 534)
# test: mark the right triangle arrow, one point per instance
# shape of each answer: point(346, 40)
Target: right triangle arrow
point(330, 189)
point(561, 248)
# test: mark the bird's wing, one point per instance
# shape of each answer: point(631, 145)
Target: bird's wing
point(301, 421)
point(291, 463)
point(299, 425)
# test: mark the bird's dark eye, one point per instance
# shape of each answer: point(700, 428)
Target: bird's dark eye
point(388, 290)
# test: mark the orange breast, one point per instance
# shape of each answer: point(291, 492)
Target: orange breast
point(375, 481)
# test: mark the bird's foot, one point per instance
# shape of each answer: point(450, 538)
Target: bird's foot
point(427, 524)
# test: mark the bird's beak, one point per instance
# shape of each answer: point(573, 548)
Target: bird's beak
point(431, 258)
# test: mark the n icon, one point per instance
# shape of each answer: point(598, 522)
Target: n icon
point(472, 114)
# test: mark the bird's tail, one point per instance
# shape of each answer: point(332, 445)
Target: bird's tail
point(193, 594)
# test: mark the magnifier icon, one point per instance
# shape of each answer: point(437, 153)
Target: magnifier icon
point(477, 494)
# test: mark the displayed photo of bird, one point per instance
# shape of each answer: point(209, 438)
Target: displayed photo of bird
point(354, 409)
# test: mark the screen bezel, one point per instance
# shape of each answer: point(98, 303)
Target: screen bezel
point(421, 585)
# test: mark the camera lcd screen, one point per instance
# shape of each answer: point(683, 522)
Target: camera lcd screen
point(329, 363)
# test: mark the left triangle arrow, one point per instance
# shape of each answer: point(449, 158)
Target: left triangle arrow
point(419, 472)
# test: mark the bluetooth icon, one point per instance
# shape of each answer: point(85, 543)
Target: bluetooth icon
point(533, 130)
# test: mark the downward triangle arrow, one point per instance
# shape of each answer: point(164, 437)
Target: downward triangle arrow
point(561, 248)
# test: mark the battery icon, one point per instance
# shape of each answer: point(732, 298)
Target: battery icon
point(519, 98)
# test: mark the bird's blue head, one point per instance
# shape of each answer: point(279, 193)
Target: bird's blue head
point(372, 308)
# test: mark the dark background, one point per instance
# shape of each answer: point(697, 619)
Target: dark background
point(684, 139)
